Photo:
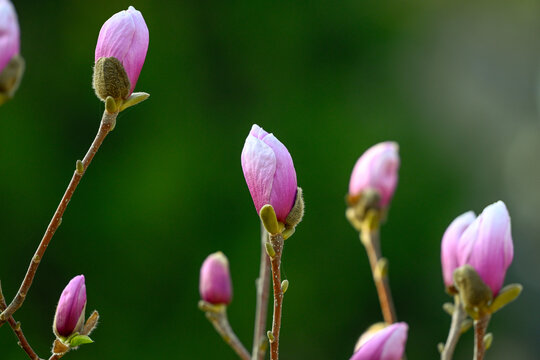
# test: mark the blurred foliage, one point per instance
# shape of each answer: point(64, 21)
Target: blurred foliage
point(453, 83)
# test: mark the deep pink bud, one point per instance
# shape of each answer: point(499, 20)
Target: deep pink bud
point(449, 246)
point(487, 245)
point(9, 33)
point(215, 281)
point(125, 37)
point(377, 169)
point(386, 344)
point(69, 317)
point(269, 172)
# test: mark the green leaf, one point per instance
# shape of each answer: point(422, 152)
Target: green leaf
point(508, 294)
point(78, 340)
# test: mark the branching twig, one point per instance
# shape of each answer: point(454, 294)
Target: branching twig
point(107, 123)
point(217, 315)
point(16, 326)
point(263, 282)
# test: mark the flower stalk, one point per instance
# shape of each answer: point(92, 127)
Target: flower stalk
point(217, 315)
point(276, 240)
point(369, 236)
point(458, 316)
point(480, 327)
point(263, 287)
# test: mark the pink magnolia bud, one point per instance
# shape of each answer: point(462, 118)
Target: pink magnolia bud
point(386, 344)
point(377, 169)
point(9, 33)
point(449, 246)
point(215, 281)
point(269, 172)
point(69, 317)
point(487, 245)
point(125, 37)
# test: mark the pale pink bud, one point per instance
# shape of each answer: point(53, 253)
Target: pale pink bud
point(269, 172)
point(449, 246)
point(377, 169)
point(125, 37)
point(215, 284)
point(69, 317)
point(487, 245)
point(9, 33)
point(386, 344)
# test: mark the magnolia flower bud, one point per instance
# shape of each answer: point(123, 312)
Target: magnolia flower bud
point(11, 63)
point(69, 317)
point(9, 33)
point(449, 246)
point(269, 172)
point(376, 169)
point(386, 344)
point(215, 280)
point(487, 245)
point(120, 54)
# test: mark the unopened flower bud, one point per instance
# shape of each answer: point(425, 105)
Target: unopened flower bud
point(215, 280)
point(269, 172)
point(449, 246)
point(11, 63)
point(385, 344)
point(69, 317)
point(120, 54)
point(376, 169)
point(487, 245)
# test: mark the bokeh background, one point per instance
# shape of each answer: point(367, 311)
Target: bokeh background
point(455, 83)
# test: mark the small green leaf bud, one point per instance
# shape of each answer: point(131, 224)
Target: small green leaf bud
point(284, 286)
point(269, 219)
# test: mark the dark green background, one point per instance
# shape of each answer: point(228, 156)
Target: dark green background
point(455, 83)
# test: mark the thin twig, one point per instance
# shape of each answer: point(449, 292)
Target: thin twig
point(16, 326)
point(277, 243)
point(219, 319)
point(458, 316)
point(263, 287)
point(370, 239)
point(56, 356)
point(107, 123)
point(480, 327)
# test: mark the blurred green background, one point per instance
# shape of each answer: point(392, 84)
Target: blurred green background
point(455, 83)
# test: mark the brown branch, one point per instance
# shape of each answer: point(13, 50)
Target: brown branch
point(276, 240)
point(263, 282)
point(480, 327)
point(370, 239)
point(16, 326)
point(107, 123)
